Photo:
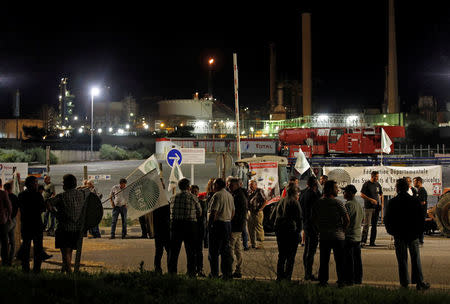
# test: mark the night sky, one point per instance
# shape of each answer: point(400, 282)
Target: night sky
point(163, 51)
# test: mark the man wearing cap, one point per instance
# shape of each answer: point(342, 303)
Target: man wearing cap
point(353, 263)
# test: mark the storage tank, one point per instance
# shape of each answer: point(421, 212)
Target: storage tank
point(195, 108)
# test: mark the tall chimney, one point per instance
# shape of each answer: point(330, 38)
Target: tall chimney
point(306, 62)
point(393, 104)
point(16, 105)
point(273, 76)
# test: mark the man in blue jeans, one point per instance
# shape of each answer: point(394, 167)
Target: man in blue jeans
point(404, 221)
point(119, 205)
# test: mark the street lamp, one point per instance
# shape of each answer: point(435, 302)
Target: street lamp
point(94, 92)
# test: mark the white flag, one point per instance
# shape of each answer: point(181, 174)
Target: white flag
point(149, 164)
point(144, 195)
point(175, 176)
point(16, 184)
point(301, 165)
point(385, 142)
point(3, 176)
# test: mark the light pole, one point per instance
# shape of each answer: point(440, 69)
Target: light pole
point(94, 92)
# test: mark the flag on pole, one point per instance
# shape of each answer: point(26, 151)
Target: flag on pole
point(175, 176)
point(385, 142)
point(3, 176)
point(16, 183)
point(149, 164)
point(301, 165)
point(145, 195)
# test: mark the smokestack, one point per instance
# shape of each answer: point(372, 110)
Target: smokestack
point(273, 76)
point(306, 62)
point(393, 104)
point(16, 105)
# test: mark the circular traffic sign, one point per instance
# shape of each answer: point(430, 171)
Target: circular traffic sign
point(174, 155)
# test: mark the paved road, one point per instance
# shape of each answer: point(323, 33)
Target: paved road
point(379, 263)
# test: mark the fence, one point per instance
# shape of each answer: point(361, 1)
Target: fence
point(421, 150)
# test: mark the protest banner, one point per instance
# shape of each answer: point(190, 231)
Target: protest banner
point(7, 170)
point(266, 176)
point(431, 175)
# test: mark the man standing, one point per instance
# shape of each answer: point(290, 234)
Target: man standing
point(161, 226)
point(307, 202)
point(404, 221)
point(5, 219)
point(69, 208)
point(288, 226)
point(184, 211)
point(256, 204)
point(119, 205)
point(201, 226)
point(322, 180)
point(12, 227)
point(49, 191)
point(372, 193)
point(222, 211)
point(422, 195)
point(331, 220)
point(412, 190)
point(237, 224)
point(353, 263)
point(31, 204)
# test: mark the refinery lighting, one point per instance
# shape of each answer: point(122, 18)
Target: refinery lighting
point(352, 118)
point(94, 92)
point(199, 124)
point(322, 117)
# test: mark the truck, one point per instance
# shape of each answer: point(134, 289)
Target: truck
point(342, 141)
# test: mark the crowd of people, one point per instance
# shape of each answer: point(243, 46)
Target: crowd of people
point(224, 218)
point(312, 216)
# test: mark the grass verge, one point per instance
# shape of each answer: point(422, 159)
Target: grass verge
point(148, 287)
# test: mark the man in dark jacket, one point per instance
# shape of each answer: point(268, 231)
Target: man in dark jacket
point(12, 227)
point(5, 219)
point(31, 205)
point(404, 221)
point(307, 201)
point(288, 226)
point(201, 225)
point(237, 223)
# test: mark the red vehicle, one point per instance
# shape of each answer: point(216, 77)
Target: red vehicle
point(336, 141)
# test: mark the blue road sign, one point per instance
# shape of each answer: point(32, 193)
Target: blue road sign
point(173, 155)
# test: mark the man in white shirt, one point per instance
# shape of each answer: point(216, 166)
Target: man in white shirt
point(119, 205)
